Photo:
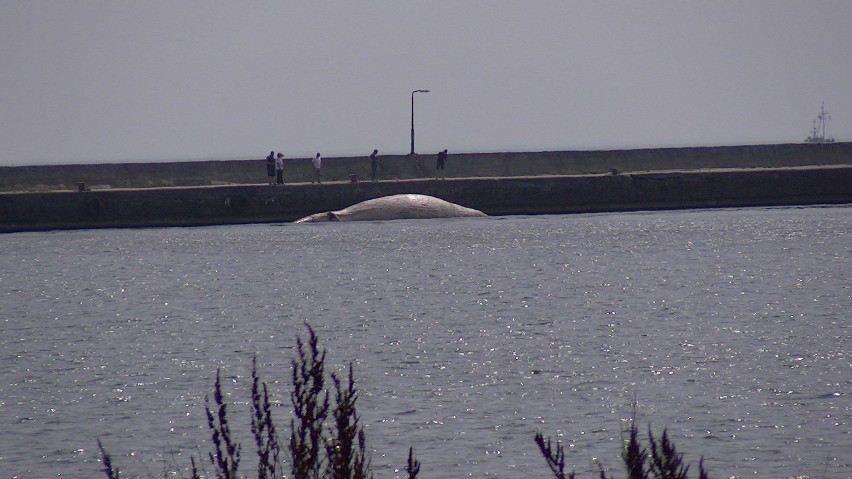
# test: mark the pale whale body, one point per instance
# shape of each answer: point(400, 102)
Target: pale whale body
point(395, 207)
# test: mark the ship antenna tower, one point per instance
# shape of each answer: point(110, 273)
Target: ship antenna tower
point(820, 125)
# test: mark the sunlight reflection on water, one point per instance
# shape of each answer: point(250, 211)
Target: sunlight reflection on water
point(730, 327)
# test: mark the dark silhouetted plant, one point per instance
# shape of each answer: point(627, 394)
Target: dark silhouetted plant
point(634, 454)
point(195, 474)
point(310, 408)
point(346, 447)
point(338, 450)
point(413, 467)
point(661, 461)
point(555, 457)
point(111, 472)
point(317, 450)
point(665, 461)
point(226, 458)
point(363, 466)
point(263, 428)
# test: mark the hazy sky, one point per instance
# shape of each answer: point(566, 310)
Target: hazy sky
point(102, 81)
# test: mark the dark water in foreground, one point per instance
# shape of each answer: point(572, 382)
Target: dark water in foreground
point(730, 327)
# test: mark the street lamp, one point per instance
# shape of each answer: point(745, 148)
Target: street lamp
point(412, 117)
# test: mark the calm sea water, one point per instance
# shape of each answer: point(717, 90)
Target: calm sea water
point(731, 328)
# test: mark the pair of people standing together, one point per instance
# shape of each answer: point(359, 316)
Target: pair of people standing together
point(275, 167)
point(439, 167)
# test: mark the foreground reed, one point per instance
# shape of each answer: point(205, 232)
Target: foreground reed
point(660, 460)
point(329, 442)
point(325, 442)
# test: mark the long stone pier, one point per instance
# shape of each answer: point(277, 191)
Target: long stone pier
point(110, 196)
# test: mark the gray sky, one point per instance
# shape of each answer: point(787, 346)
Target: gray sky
point(111, 81)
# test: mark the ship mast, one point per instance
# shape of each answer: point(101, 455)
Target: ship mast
point(818, 132)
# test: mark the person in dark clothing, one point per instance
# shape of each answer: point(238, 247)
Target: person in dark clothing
point(442, 158)
point(374, 165)
point(270, 166)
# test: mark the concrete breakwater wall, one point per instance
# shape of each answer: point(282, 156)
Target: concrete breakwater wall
point(211, 205)
point(469, 165)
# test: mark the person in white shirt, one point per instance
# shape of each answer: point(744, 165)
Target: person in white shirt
point(279, 169)
point(317, 167)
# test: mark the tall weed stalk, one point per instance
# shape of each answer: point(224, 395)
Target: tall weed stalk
point(346, 447)
point(263, 428)
point(413, 467)
point(660, 460)
point(555, 457)
point(111, 472)
point(310, 408)
point(226, 458)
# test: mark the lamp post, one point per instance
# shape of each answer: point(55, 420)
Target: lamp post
point(412, 117)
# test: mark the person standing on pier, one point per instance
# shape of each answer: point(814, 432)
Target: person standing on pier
point(374, 165)
point(279, 169)
point(439, 167)
point(270, 166)
point(317, 168)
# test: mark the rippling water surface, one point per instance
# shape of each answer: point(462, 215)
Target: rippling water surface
point(729, 327)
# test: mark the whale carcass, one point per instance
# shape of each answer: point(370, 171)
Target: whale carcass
point(395, 207)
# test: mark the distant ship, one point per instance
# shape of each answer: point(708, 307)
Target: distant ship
point(820, 125)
